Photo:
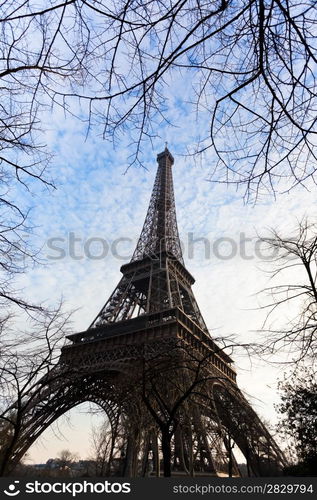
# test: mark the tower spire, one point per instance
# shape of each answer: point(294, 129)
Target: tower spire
point(160, 231)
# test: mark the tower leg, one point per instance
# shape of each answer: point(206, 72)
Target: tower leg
point(203, 443)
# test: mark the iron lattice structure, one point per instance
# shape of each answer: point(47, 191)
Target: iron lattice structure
point(148, 360)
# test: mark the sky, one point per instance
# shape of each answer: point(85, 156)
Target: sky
point(99, 205)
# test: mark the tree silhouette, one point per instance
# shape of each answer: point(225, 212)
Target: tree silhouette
point(26, 358)
point(299, 418)
point(250, 65)
point(294, 296)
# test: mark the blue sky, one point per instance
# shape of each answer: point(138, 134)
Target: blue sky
point(97, 198)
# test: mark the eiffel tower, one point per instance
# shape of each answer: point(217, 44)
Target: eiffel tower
point(149, 361)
